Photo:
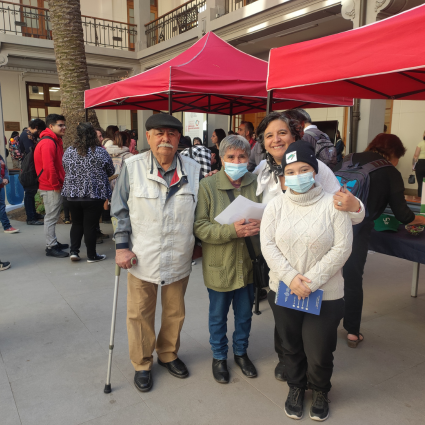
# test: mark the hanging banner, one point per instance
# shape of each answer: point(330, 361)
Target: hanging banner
point(193, 125)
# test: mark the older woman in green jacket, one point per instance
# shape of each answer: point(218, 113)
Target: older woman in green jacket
point(227, 266)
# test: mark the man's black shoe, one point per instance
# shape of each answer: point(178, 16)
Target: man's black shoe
point(176, 368)
point(294, 403)
point(39, 217)
point(246, 365)
point(319, 410)
point(62, 245)
point(35, 222)
point(279, 372)
point(220, 372)
point(55, 252)
point(143, 380)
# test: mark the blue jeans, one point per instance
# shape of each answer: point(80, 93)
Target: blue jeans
point(242, 300)
point(29, 203)
point(3, 217)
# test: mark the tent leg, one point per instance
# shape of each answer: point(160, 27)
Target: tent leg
point(86, 115)
point(170, 103)
point(269, 107)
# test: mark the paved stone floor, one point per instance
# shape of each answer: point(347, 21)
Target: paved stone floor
point(54, 333)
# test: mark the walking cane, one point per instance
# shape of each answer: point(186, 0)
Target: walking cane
point(107, 388)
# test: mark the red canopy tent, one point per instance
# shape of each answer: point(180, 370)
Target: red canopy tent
point(383, 60)
point(211, 76)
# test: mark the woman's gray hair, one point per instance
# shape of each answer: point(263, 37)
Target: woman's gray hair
point(234, 141)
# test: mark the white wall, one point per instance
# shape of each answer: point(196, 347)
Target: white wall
point(164, 6)
point(106, 9)
point(408, 123)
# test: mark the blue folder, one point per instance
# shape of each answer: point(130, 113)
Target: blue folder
point(311, 304)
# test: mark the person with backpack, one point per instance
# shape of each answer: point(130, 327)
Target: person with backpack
point(277, 131)
point(118, 152)
point(325, 149)
point(371, 175)
point(27, 143)
point(86, 187)
point(14, 150)
point(4, 180)
point(49, 169)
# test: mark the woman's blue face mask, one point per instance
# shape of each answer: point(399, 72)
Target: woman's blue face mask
point(235, 171)
point(300, 183)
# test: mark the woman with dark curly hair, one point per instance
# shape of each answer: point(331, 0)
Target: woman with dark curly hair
point(87, 168)
point(277, 131)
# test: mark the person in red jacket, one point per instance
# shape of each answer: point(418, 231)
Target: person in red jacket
point(48, 161)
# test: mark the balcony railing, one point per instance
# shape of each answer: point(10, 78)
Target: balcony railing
point(30, 21)
point(178, 21)
point(231, 5)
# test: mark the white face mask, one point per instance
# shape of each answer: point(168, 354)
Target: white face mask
point(300, 183)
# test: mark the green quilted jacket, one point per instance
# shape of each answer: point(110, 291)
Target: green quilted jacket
point(226, 262)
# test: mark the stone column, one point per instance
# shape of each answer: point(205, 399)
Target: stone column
point(142, 116)
point(142, 15)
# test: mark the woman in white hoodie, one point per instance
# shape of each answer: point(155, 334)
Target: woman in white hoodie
point(277, 131)
point(306, 242)
point(119, 152)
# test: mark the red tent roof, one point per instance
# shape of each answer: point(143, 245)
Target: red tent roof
point(382, 60)
point(211, 76)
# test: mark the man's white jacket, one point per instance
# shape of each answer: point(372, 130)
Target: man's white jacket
point(159, 219)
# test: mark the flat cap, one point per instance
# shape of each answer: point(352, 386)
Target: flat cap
point(163, 121)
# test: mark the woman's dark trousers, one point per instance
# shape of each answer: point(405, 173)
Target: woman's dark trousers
point(353, 276)
point(85, 219)
point(420, 174)
point(65, 204)
point(308, 342)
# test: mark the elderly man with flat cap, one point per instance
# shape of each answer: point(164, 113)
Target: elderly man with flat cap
point(154, 203)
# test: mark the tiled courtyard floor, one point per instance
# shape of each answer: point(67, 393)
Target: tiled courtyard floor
point(54, 334)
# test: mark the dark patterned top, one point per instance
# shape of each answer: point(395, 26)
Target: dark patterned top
point(87, 176)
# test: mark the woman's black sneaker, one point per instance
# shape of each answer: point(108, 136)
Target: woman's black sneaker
point(96, 258)
point(74, 256)
point(294, 403)
point(319, 410)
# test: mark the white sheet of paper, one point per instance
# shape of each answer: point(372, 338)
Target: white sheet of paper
point(241, 208)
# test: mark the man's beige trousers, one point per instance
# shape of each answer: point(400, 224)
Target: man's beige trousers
point(141, 305)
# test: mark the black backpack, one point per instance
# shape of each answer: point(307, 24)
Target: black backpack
point(325, 149)
point(357, 177)
point(27, 175)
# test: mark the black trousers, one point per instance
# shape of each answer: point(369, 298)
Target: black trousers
point(420, 174)
point(308, 342)
point(29, 203)
point(85, 219)
point(353, 276)
point(65, 204)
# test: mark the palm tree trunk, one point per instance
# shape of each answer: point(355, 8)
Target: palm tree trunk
point(68, 40)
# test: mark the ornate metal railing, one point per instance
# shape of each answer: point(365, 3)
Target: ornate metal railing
point(107, 33)
point(175, 22)
point(231, 5)
point(30, 21)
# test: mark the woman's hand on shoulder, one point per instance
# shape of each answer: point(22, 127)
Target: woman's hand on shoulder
point(211, 173)
point(299, 288)
point(346, 201)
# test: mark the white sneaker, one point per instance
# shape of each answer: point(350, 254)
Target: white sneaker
point(193, 263)
point(96, 258)
point(74, 256)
